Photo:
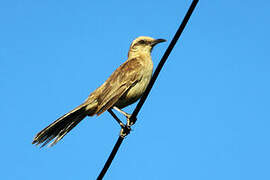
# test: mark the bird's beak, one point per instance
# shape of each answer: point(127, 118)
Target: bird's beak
point(156, 41)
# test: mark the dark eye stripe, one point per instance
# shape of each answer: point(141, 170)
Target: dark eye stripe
point(142, 42)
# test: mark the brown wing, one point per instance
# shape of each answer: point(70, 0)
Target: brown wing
point(123, 78)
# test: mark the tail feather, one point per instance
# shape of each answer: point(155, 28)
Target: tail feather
point(59, 128)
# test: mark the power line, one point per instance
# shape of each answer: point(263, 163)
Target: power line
point(133, 117)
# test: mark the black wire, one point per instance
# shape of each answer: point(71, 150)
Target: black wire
point(111, 157)
point(149, 87)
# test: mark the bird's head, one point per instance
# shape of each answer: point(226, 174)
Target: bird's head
point(143, 44)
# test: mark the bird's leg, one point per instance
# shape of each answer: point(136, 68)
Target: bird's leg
point(125, 129)
point(122, 112)
point(129, 123)
point(116, 118)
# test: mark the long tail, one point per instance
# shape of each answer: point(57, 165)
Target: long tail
point(59, 128)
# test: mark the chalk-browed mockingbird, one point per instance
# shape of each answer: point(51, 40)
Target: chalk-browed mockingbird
point(125, 86)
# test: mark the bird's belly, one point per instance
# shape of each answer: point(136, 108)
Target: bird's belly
point(134, 93)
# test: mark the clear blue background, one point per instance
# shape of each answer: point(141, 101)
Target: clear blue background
point(206, 118)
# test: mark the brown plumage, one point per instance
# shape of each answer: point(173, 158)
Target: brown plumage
point(124, 87)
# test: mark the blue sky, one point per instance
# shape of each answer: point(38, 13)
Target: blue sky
point(206, 118)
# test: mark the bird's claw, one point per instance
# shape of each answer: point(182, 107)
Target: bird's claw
point(129, 122)
point(127, 128)
point(125, 131)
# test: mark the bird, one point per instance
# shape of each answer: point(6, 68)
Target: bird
point(124, 87)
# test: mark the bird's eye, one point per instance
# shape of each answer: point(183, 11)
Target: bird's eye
point(142, 42)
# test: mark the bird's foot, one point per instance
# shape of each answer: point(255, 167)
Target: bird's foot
point(125, 131)
point(129, 121)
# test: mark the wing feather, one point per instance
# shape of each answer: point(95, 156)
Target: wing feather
point(123, 78)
